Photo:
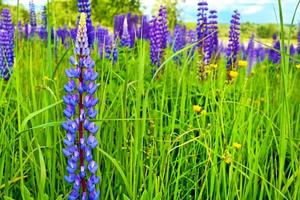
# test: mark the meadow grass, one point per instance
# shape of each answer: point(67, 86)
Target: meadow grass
point(245, 143)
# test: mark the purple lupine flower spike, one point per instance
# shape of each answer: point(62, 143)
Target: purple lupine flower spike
point(251, 55)
point(6, 44)
point(158, 37)
point(144, 29)
point(191, 38)
point(202, 22)
point(203, 38)
point(101, 38)
point(234, 43)
point(211, 41)
point(118, 25)
point(125, 38)
point(43, 29)
point(80, 110)
point(260, 53)
point(26, 31)
point(179, 38)
point(32, 13)
point(274, 53)
point(154, 42)
point(163, 26)
point(213, 31)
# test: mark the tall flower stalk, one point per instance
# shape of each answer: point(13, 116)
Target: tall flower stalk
point(80, 110)
point(32, 13)
point(234, 44)
point(43, 29)
point(6, 44)
point(158, 37)
point(202, 23)
point(202, 34)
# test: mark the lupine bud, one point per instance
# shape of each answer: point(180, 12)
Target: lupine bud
point(84, 6)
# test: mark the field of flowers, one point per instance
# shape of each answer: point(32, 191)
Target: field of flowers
point(144, 111)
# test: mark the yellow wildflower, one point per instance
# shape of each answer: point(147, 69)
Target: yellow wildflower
point(298, 66)
point(197, 108)
point(242, 63)
point(213, 66)
point(233, 74)
point(237, 146)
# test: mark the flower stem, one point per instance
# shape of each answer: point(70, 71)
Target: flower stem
point(81, 134)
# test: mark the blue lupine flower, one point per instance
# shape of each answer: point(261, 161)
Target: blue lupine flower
point(6, 44)
point(32, 13)
point(80, 109)
point(260, 53)
point(210, 46)
point(179, 38)
point(155, 42)
point(143, 31)
point(191, 38)
point(213, 30)
point(202, 22)
point(118, 25)
point(162, 21)
point(158, 37)
point(43, 29)
point(125, 38)
point(234, 42)
point(274, 53)
point(251, 54)
point(101, 38)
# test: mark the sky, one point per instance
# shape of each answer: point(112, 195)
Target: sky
point(257, 11)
